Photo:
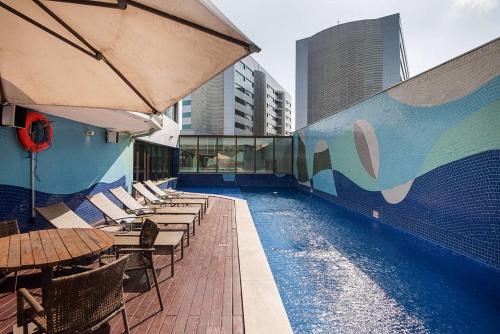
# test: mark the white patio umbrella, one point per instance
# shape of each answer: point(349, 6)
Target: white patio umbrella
point(140, 56)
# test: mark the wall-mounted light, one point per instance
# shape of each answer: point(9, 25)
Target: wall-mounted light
point(89, 132)
point(111, 136)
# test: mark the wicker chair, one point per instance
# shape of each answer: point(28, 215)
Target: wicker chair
point(77, 303)
point(140, 258)
point(8, 228)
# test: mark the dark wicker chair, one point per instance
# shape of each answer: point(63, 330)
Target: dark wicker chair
point(141, 258)
point(8, 228)
point(77, 303)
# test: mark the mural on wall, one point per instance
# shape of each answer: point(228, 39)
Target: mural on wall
point(74, 166)
point(429, 165)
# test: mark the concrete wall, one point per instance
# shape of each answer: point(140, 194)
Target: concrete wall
point(75, 165)
point(423, 156)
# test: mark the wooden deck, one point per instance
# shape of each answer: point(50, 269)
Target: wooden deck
point(203, 297)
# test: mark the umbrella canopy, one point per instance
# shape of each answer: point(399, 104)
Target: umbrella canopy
point(140, 56)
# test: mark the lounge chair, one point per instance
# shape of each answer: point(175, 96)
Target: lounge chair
point(172, 193)
point(113, 213)
point(133, 205)
point(60, 216)
point(152, 199)
point(77, 303)
point(141, 257)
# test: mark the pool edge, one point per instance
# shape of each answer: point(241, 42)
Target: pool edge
point(263, 309)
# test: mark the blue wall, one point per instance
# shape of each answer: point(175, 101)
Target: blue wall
point(423, 156)
point(74, 166)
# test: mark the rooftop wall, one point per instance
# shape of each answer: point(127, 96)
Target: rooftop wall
point(422, 156)
point(74, 166)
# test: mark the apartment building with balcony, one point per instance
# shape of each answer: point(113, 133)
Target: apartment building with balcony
point(243, 100)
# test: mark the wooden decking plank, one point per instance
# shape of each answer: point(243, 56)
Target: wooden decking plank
point(26, 251)
point(192, 324)
point(238, 325)
point(206, 307)
point(237, 302)
point(37, 247)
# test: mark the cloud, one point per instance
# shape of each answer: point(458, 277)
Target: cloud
point(480, 6)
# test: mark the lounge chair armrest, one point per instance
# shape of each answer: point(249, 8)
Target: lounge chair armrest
point(23, 295)
point(141, 212)
point(134, 250)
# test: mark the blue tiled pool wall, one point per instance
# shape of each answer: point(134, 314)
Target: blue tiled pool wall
point(433, 171)
point(235, 180)
point(172, 183)
point(74, 166)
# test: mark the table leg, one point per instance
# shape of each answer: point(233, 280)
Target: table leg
point(47, 275)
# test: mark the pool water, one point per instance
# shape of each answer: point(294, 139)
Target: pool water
point(339, 272)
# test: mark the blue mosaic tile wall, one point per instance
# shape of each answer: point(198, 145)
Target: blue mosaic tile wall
point(15, 204)
point(232, 180)
point(423, 156)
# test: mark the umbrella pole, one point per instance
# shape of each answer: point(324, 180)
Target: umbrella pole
point(32, 205)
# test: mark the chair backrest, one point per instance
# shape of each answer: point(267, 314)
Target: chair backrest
point(148, 195)
point(8, 228)
point(78, 302)
point(60, 216)
point(123, 196)
point(108, 208)
point(157, 190)
point(149, 232)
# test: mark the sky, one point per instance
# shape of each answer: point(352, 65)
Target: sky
point(434, 30)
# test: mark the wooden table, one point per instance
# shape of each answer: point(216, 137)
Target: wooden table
point(46, 249)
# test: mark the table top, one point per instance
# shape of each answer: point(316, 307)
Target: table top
point(48, 248)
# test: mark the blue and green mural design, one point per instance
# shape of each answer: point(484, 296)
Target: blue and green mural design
point(431, 170)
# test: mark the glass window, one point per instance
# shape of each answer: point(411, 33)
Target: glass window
point(245, 158)
point(186, 114)
point(139, 161)
point(226, 154)
point(207, 151)
point(263, 155)
point(188, 154)
point(172, 112)
point(186, 126)
point(152, 162)
point(186, 102)
point(283, 155)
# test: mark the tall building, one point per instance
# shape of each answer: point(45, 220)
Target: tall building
point(243, 100)
point(347, 63)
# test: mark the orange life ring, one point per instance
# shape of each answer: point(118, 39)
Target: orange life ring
point(36, 136)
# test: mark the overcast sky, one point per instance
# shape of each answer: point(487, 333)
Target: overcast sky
point(434, 30)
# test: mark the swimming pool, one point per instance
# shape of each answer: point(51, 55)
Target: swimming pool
point(338, 272)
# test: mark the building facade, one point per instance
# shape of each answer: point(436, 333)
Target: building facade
point(243, 100)
point(347, 63)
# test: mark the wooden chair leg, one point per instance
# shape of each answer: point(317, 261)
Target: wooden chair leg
point(157, 287)
point(125, 321)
